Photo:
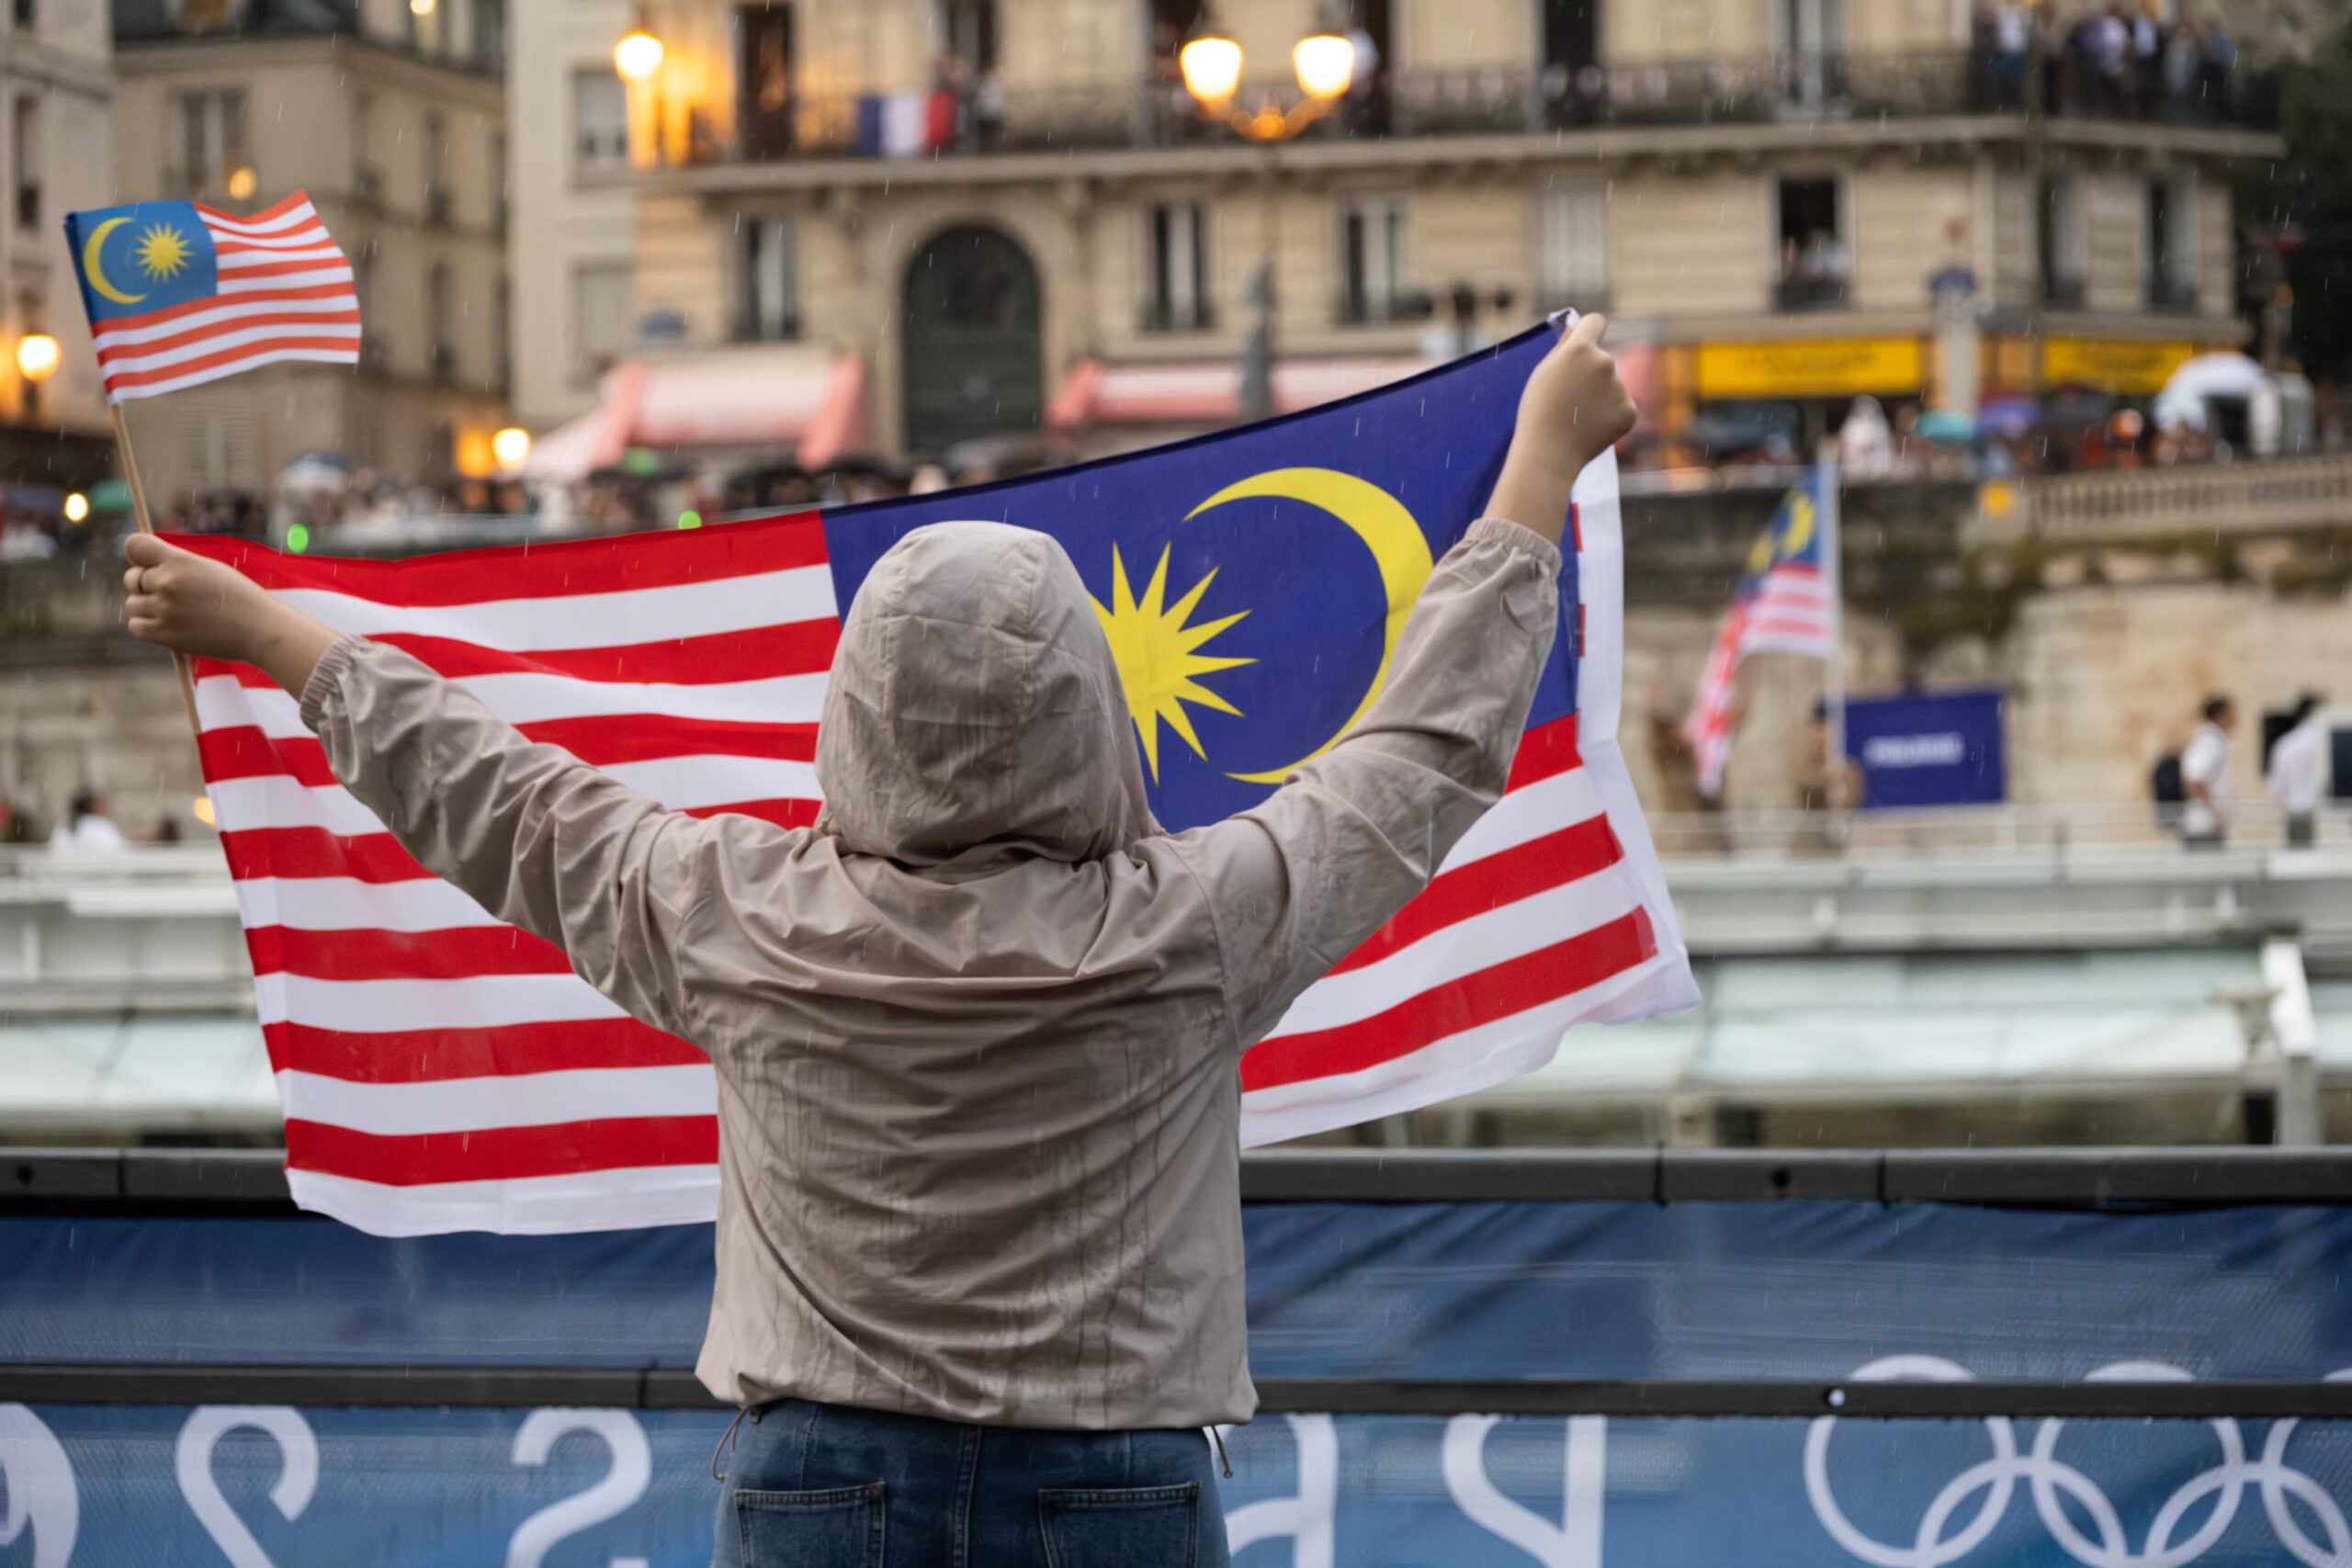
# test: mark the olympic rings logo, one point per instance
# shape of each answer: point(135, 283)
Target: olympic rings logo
point(1943, 1538)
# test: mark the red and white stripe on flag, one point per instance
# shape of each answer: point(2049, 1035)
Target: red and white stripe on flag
point(440, 1070)
point(284, 292)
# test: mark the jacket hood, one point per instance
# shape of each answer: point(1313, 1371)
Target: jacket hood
point(973, 713)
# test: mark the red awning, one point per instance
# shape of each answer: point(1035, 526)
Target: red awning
point(1098, 393)
point(811, 405)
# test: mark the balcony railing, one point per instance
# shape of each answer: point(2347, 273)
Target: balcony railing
point(1498, 100)
point(1811, 294)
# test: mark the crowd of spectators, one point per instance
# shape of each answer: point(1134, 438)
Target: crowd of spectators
point(2123, 62)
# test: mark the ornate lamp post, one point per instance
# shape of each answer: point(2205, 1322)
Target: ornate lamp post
point(1324, 64)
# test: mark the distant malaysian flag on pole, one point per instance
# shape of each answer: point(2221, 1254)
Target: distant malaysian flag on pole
point(1786, 602)
point(179, 295)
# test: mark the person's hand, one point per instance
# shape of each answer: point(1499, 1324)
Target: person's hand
point(189, 604)
point(200, 607)
point(1574, 408)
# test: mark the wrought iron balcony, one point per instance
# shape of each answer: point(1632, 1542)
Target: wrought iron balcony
point(1155, 112)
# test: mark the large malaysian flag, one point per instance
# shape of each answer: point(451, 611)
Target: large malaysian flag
point(440, 1070)
point(179, 294)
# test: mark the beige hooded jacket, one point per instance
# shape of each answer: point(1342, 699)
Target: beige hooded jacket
point(977, 1033)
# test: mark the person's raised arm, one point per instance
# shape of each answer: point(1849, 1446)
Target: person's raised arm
point(535, 836)
point(1297, 883)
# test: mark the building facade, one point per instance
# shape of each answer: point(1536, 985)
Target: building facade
point(391, 115)
point(974, 216)
point(54, 83)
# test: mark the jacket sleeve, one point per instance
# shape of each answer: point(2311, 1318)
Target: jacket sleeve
point(1297, 883)
point(537, 837)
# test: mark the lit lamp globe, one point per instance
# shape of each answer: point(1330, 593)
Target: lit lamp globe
point(510, 446)
point(37, 357)
point(1324, 63)
point(1212, 68)
point(638, 56)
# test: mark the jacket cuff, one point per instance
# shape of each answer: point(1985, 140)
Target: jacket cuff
point(325, 677)
point(1517, 537)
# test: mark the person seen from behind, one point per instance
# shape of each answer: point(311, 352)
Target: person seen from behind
point(977, 1029)
point(2205, 777)
point(2299, 769)
point(86, 827)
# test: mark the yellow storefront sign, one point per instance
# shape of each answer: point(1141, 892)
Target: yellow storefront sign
point(2129, 367)
point(1811, 368)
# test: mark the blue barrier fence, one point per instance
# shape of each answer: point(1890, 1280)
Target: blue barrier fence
point(198, 1377)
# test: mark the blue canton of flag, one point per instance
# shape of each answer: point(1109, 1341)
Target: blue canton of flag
point(141, 257)
point(1254, 583)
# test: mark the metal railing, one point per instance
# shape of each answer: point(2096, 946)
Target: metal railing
point(1153, 110)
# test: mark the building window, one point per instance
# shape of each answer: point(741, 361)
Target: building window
point(489, 34)
point(435, 148)
point(25, 160)
point(437, 321)
point(367, 179)
point(2168, 252)
point(603, 301)
point(502, 333)
point(769, 262)
point(27, 15)
point(1176, 237)
point(375, 349)
point(422, 25)
point(501, 194)
point(2066, 240)
point(763, 104)
point(1816, 269)
point(600, 118)
point(1372, 260)
point(213, 159)
point(968, 32)
point(1572, 247)
point(221, 447)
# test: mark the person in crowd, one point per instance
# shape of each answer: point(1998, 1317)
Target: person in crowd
point(2012, 50)
point(978, 1028)
point(2205, 776)
point(87, 828)
point(2299, 770)
point(2221, 61)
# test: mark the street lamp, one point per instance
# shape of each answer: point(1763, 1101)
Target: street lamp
point(1324, 62)
point(638, 55)
point(510, 446)
point(37, 357)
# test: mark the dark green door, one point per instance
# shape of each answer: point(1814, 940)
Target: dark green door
point(974, 341)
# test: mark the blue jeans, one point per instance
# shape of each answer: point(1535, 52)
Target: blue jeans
point(828, 1487)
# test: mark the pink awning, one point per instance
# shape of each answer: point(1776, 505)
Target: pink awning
point(806, 405)
point(1099, 393)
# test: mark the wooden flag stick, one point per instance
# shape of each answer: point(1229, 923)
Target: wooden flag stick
point(139, 511)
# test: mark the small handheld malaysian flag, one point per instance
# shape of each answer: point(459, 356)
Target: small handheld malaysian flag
point(179, 295)
point(1786, 602)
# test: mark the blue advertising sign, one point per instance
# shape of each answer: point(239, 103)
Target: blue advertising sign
point(281, 1486)
point(1928, 749)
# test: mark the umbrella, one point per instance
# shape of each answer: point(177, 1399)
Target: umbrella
point(2214, 376)
point(2011, 417)
point(110, 497)
point(1951, 426)
point(328, 472)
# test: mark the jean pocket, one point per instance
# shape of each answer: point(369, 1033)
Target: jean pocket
point(1121, 1526)
point(837, 1527)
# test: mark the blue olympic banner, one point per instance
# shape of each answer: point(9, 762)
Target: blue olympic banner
point(1922, 749)
point(262, 1486)
point(1684, 1290)
point(1843, 1291)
